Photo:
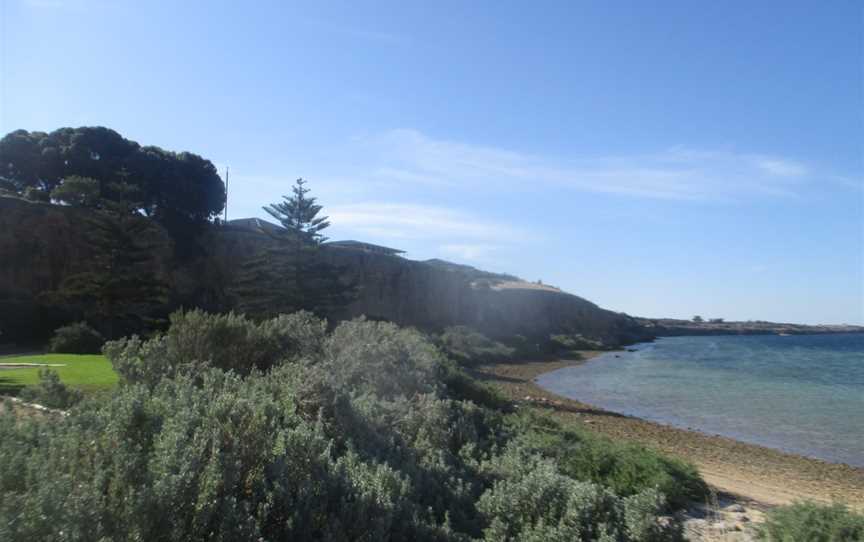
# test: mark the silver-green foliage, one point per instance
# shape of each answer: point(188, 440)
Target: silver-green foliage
point(470, 347)
point(51, 392)
point(355, 438)
point(224, 458)
point(813, 522)
point(531, 500)
point(197, 340)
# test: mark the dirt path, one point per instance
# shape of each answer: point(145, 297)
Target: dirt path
point(753, 473)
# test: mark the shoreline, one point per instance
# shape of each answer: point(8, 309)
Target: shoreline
point(756, 474)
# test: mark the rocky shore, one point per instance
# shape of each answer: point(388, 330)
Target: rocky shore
point(751, 476)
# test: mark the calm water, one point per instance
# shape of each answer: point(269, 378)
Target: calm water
point(803, 394)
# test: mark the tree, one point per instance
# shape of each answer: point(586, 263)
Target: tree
point(288, 274)
point(698, 319)
point(298, 214)
point(170, 187)
point(77, 191)
point(120, 285)
point(34, 194)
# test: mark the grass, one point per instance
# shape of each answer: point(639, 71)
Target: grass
point(88, 373)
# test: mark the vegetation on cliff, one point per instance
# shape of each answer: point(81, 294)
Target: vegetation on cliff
point(98, 168)
point(119, 288)
point(288, 274)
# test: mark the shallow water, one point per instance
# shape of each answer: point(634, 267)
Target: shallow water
point(802, 394)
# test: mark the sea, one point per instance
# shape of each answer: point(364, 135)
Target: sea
point(802, 394)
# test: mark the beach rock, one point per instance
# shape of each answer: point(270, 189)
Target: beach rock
point(721, 526)
point(735, 508)
point(697, 524)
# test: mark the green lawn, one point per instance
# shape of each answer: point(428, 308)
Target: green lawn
point(89, 373)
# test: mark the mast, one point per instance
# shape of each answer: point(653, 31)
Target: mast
point(226, 194)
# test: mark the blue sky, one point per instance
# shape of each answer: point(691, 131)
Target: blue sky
point(658, 158)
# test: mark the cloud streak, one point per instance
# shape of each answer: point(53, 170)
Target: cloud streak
point(412, 221)
point(678, 173)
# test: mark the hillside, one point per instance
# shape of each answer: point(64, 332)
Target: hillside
point(42, 245)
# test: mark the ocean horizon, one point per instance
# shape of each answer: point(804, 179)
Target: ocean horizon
point(802, 394)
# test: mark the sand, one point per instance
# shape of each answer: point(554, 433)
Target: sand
point(751, 473)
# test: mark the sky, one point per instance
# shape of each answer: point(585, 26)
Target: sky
point(664, 159)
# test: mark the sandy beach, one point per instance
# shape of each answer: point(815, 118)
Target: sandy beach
point(752, 473)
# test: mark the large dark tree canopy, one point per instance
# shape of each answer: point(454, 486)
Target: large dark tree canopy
point(163, 184)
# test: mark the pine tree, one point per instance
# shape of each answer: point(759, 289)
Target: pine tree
point(298, 214)
point(289, 274)
point(119, 285)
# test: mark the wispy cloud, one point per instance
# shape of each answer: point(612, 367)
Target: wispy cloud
point(479, 239)
point(782, 168)
point(411, 221)
point(678, 173)
point(476, 252)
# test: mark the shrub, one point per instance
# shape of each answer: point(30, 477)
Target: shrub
point(77, 338)
point(533, 501)
point(381, 358)
point(50, 392)
point(568, 344)
point(471, 347)
point(625, 468)
point(459, 385)
point(228, 341)
point(196, 340)
point(223, 459)
point(363, 439)
point(812, 522)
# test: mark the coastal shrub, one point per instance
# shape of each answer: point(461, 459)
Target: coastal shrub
point(532, 500)
point(77, 338)
point(223, 459)
point(625, 468)
point(50, 392)
point(812, 522)
point(459, 385)
point(381, 358)
point(363, 438)
point(141, 361)
point(196, 340)
point(233, 342)
point(470, 347)
point(568, 344)
point(299, 334)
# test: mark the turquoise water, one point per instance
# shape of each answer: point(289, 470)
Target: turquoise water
point(802, 394)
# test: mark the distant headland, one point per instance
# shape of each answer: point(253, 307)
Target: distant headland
point(670, 327)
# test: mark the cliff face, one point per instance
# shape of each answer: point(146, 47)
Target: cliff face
point(40, 245)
